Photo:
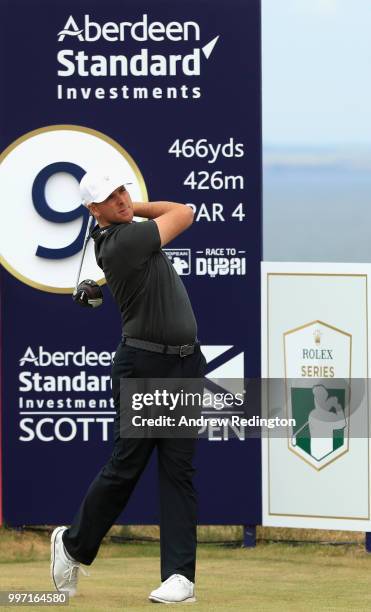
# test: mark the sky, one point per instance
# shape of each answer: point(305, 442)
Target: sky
point(316, 61)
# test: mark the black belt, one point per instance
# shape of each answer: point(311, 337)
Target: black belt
point(181, 350)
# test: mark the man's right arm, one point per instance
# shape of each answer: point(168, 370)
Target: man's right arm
point(171, 218)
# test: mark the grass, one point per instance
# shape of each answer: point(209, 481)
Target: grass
point(271, 577)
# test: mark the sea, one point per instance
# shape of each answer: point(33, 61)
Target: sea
point(317, 205)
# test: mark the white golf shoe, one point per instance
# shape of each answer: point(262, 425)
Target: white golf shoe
point(176, 589)
point(64, 571)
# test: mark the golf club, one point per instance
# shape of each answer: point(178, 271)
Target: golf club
point(87, 293)
point(294, 435)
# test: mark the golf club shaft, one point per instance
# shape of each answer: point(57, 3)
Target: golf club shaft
point(300, 429)
point(88, 227)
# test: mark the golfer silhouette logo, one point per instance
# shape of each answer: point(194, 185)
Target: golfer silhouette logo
point(180, 265)
point(325, 420)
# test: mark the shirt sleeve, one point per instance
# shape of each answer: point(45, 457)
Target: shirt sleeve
point(136, 243)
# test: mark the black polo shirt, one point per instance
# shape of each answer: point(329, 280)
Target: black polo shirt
point(153, 301)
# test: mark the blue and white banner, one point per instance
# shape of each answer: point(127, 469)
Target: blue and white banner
point(168, 94)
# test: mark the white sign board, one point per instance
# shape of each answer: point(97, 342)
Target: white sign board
point(316, 472)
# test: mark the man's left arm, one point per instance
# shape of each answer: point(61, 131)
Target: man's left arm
point(152, 210)
point(171, 218)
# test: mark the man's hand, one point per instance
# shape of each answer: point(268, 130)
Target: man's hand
point(171, 219)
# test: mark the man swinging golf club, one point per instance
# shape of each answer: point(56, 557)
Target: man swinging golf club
point(159, 341)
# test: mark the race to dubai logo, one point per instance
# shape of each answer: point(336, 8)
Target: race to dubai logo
point(317, 379)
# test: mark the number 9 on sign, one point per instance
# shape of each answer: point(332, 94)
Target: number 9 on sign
point(46, 212)
point(44, 222)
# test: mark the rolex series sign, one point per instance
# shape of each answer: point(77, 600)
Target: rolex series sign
point(166, 94)
point(315, 339)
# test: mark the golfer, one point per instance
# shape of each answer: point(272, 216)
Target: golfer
point(159, 341)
